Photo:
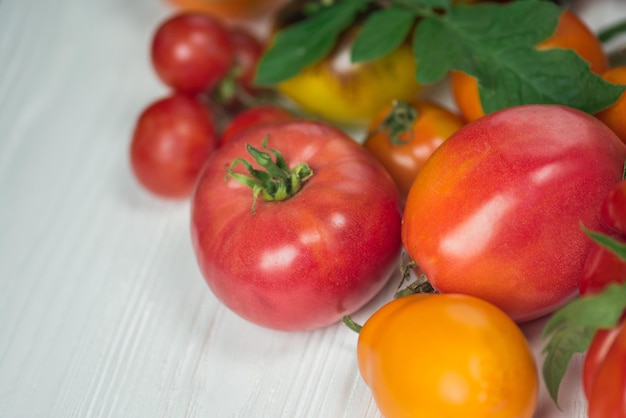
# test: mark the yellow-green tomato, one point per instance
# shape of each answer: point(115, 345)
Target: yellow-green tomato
point(447, 355)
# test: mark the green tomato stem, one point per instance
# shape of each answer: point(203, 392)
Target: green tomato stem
point(277, 182)
point(347, 320)
point(609, 33)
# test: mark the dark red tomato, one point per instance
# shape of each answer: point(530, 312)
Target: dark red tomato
point(248, 51)
point(422, 126)
point(602, 267)
point(172, 139)
point(251, 117)
point(614, 208)
point(604, 376)
point(496, 210)
point(306, 261)
point(192, 52)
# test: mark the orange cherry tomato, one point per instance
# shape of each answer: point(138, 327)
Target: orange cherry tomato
point(226, 9)
point(571, 33)
point(615, 115)
point(404, 134)
point(447, 355)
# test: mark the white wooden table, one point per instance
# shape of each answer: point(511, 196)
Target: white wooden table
point(103, 312)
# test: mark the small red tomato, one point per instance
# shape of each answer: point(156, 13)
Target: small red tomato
point(248, 51)
point(253, 116)
point(403, 135)
point(172, 139)
point(192, 52)
point(301, 247)
point(614, 208)
point(604, 376)
point(602, 267)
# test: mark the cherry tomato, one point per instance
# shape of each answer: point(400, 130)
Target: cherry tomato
point(227, 9)
point(172, 139)
point(403, 135)
point(571, 33)
point(248, 51)
point(192, 52)
point(614, 208)
point(434, 356)
point(602, 267)
point(253, 116)
point(604, 380)
point(322, 245)
point(496, 209)
point(614, 116)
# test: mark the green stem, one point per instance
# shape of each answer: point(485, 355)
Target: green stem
point(610, 32)
point(276, 182)
point(347, 320)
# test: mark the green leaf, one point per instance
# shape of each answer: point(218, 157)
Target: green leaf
point(306, 42)
point(496, 44)
point(437, 4)
point(618, 248)
point(382, 32)
point(571, 329)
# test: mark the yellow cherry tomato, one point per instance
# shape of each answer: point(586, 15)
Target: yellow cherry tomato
point(347, 93)
point(615, 115)
point(447, 355)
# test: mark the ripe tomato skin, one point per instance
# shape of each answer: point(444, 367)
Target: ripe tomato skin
point(571, 33)
point(433, 125)
point(192, 52)
point(304, 262)
point(171, 140)
point(613, 116)
point(444, 355)
point(604, 380)
point(614, 208)
point(253, 116)
point(602, 267)
point(490, 212)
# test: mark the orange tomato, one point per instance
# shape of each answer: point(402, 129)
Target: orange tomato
point(423, 126)
point(226, 9)
point(571, 33)
point(447, 355)
point(615, 115)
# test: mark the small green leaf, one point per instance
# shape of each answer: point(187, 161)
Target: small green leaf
point(306, 42)
point(437, 4)
point(382, 32)
point(618, 248)
point(495, 43)
point(571, 329)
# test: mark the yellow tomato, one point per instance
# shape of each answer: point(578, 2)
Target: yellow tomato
point(615, 115)
point(339, 91)
point(446, 355)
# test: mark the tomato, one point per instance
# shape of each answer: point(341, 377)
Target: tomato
point(253, 116)
point(614, 208)
point(613, 116)
point(433, 356)
point(192, 52)
point(227, 9)
point(602, 267)
point(496, 210)
point(323, 245)
point(571, 33)
point(248, 51)
point(172, 138)
point(423, 124)
point(604, 380)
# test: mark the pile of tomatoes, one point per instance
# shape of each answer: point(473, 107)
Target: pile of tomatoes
point(296, 224)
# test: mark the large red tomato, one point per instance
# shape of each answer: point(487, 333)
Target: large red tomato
point(306, 261)
point(496, 210)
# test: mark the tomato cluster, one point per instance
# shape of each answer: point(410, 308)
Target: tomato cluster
point(209, 67)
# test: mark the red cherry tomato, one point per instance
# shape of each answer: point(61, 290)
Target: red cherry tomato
point(192, 52)
point(614, 208)
point(495, 211)
point(604, 376)
point(253, 116)
point(601, 268)
point(172, 139)
point(424, 125)
point(306, 261)
point(248, 51)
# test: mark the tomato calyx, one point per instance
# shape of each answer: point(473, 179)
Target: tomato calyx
point(419, 285)
point(277, 183)
point(398, 122)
